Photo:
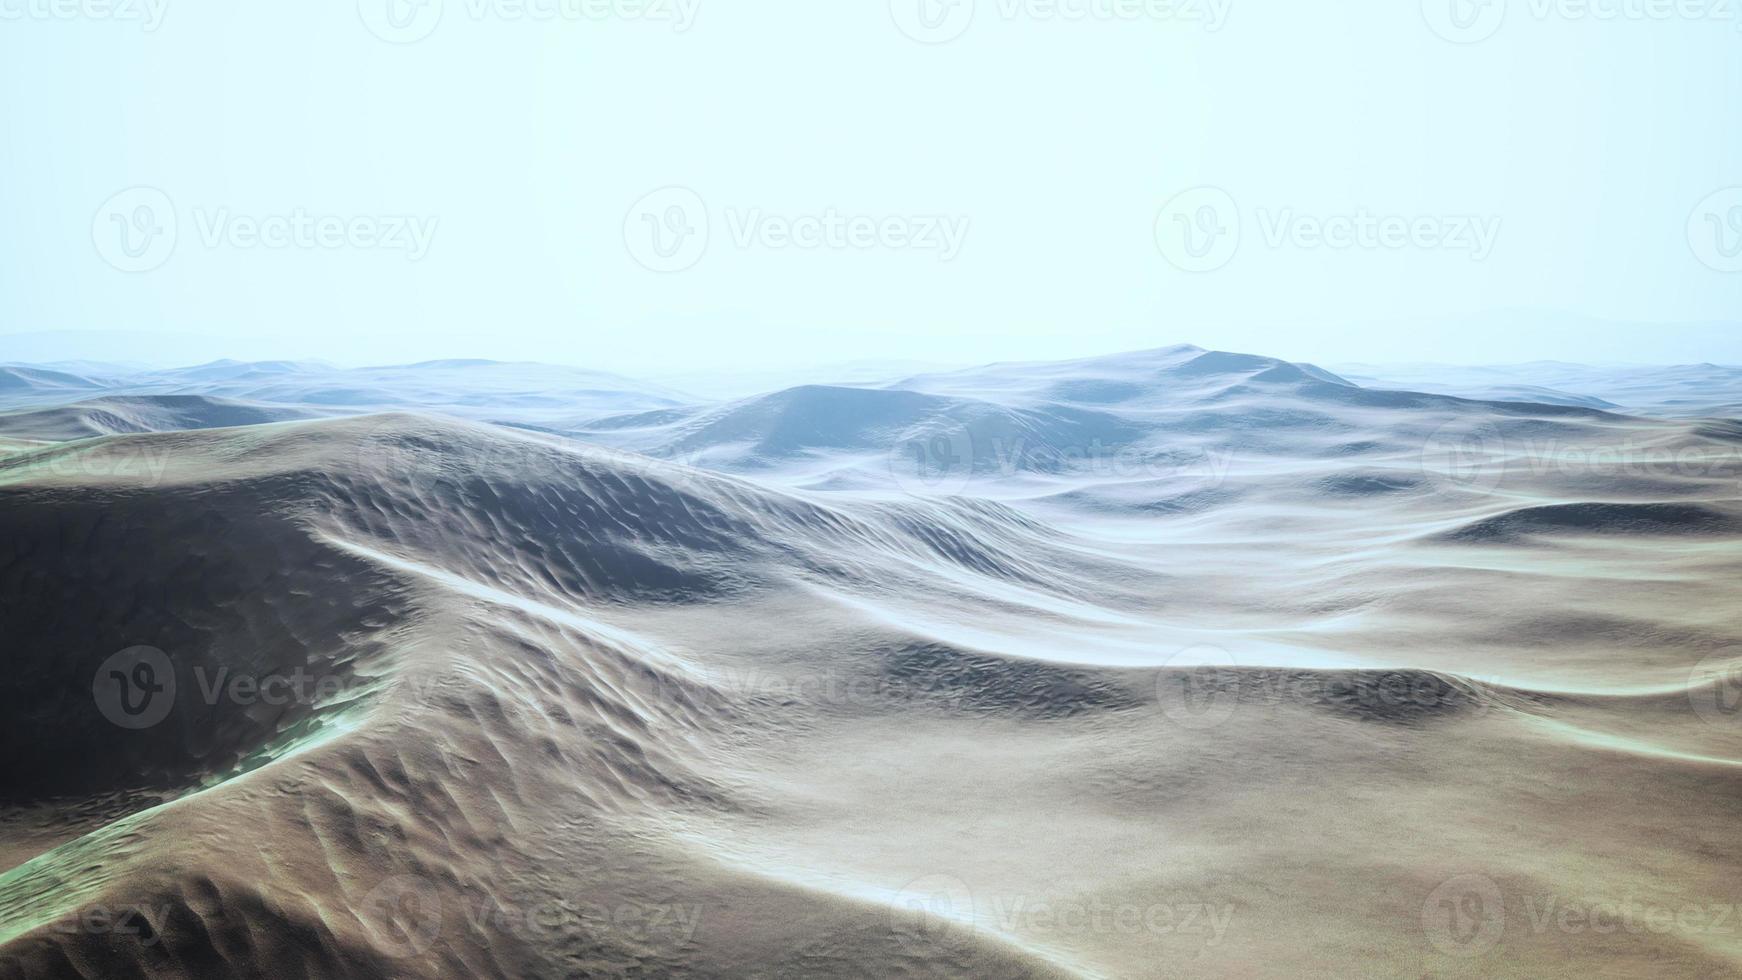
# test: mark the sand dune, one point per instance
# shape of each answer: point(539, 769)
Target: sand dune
point(17, 379)
point(144, 413)
point(1174, 664)
point(1674, 391)
point(468, 388)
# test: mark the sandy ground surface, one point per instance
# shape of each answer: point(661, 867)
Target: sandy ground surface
point(1152, 667)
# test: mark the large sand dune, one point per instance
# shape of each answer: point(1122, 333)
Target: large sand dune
point(1176, 664)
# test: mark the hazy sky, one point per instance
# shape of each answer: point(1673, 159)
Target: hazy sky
point(659, 185)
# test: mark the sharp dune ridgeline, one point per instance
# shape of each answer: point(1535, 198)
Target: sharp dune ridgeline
point(1177, 663)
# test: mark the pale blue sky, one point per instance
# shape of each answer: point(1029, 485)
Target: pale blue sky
point(1010, 190)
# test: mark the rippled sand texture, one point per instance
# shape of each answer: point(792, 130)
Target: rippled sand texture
point(1178, 664)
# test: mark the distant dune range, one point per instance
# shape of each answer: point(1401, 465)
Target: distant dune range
point(1676, 391)
point(1170, 664)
